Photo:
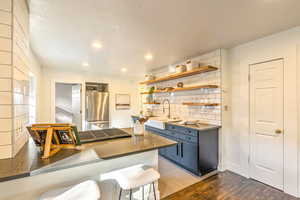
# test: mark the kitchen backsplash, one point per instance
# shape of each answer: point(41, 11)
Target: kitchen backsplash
point(205, 114)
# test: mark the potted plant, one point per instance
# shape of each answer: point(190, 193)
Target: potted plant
point(150, 95)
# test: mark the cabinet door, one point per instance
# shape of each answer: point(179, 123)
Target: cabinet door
point(162, 151)
point(189, 155)
point(172, 152)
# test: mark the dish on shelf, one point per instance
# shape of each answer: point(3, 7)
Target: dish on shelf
point(149, 77)
point(180, 68)
point(191, 64)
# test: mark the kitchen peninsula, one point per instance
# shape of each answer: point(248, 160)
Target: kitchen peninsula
point(93, 161)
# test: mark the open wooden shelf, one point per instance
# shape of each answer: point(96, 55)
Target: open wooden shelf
point(154, 103)
point(156, 91)
point(181, 75)
point(183, 89)
point(199, 104)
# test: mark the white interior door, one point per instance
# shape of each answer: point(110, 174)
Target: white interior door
point(266, 123)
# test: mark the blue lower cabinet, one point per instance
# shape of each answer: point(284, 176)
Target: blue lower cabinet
point(162, 151)
point(189, 156)
point(195, 151)
point(172, 153)
point(208, 150)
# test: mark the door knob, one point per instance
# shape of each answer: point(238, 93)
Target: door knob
point(278, 131)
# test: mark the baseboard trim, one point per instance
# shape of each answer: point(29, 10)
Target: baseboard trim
point(236, 169)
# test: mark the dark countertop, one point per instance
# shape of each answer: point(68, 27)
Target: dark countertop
point(199, 127)
point(28, 162)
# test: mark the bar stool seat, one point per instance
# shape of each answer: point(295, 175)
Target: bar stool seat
point(135, 177)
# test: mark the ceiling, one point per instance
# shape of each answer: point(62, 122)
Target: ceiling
point(171, 30)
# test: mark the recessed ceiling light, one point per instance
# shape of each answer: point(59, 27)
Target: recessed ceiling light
point(97, 45)
point(85, 64)
point(124, 69)
point(149, 56)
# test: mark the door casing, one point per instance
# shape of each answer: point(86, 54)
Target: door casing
point(250, 158)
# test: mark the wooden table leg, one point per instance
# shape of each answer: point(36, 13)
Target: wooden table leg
point(48, 143)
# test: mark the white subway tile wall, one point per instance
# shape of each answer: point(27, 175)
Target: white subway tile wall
point(205, 114)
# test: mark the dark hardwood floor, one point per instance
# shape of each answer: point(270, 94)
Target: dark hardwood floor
point(229, 186)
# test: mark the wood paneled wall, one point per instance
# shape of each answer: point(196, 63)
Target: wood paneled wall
point(6, 75)
point(15, 64)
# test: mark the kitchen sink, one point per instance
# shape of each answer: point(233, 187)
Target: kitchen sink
point(159, 123)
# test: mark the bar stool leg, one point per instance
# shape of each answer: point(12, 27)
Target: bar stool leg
point(120, 195)
point(130, 194)
point(154, 190)
point(149, 193)
point(143, 194)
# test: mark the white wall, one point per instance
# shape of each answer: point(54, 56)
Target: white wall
point(281, 45)
point(36, 69)
point(122, 84)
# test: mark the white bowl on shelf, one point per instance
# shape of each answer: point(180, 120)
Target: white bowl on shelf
point(180, 68)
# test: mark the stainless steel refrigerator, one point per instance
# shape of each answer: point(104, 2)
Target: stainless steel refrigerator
point(97, 106)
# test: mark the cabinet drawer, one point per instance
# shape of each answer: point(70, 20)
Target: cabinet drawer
point(181, 129)
point(189, 138)
point(191, 132)
point(184, 134)
point(153, 130)
point(173, 127)
point(159, 131)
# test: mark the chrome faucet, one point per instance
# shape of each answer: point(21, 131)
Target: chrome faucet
point(169, 107)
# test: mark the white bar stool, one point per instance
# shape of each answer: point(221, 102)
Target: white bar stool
point(135, 177)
